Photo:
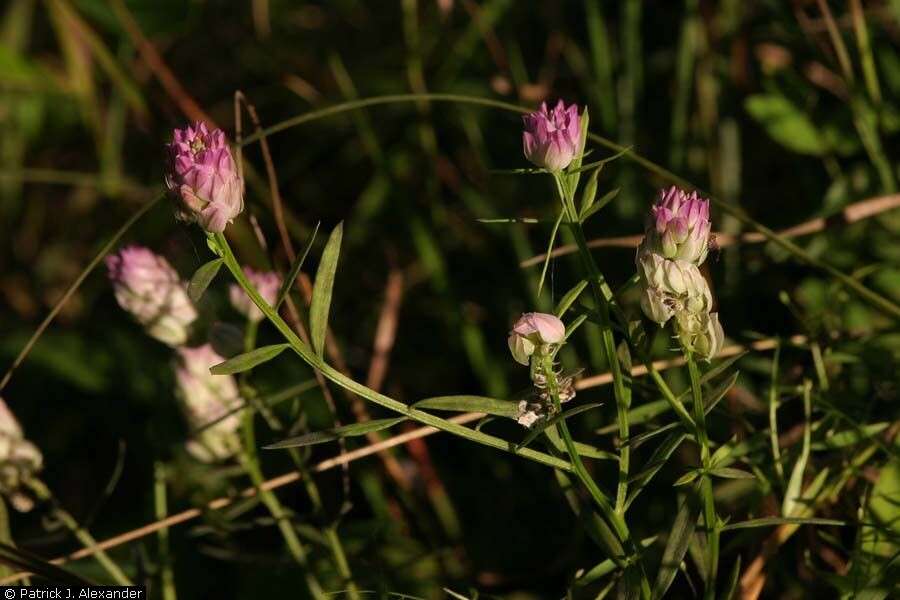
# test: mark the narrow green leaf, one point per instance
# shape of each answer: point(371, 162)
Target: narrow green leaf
point(792, 493)
point(589, 194)
point(491, 406)
point(245, 362)
point(676, 545)
point(686, 478)
point(849, 437)
point(772, 521)
point(729, 473)
point(201, 279)
point(573, 171)
point(659, 458)
point(327, 435)
point(733, 579)
point(569, 298)
point(550, 243)
point(540, 427)
point(321, 297)
point(288, 282)
point(584, 450)
point(600, 204)
point(719, 392)
point(605, 567)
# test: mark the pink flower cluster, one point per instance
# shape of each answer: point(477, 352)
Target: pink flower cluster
point(203, 177)
point(552, 137)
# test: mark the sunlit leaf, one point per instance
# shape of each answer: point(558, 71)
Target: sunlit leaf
point(248, 360)
point(319, 437)
point(321, 297)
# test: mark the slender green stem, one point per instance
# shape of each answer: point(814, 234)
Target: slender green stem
point(615, 518)
point(340, 560)
point(282, 518)
point(162, 511)
point(334, 542)
point(710, 519)
point(621, 392)
point(773, 416)
point(310, 357)
point(87, 540)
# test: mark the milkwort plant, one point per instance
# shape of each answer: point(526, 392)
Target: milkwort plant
point(204, 182)
point(215, 387)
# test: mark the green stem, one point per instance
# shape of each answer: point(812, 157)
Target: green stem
point(614, 517)
point(621, 392)
point(709, 507)
point(282, 518)
point(162, 511)
point(334, 542)
point(340, 560)
point(310, 357)
point(87, 540)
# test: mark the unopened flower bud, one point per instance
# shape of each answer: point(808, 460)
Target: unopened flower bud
point(147, 286)
point(203, 177)
point(532, 331)
point(670, 286)
point(701, 334)
point(206, 399)
point(266, 283)
point(679, 227)
point(20, 460)
point(552, 137)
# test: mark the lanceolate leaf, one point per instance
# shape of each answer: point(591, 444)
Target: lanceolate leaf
point(772, 521)
point(677, 545)
point(245, 362)
point(288, 282)
point(731, 588)
point(321, 297)
point(201, 279)
point(491, 406)
point(729, 473)
point(319, 437)
point(539, 427)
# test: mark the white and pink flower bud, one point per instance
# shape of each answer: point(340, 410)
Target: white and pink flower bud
point(203, 177)
point(679, 226)
point(670, 286)
point(206, 399)
point(20, 461)
point(266, 283)
point(701, 333)
point(552, 137)
point(147, 286)
point(533, 331)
